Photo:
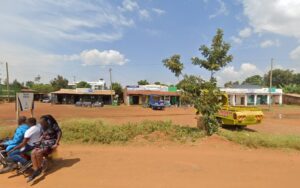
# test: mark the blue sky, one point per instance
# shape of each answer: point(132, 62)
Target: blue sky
point(83, 39)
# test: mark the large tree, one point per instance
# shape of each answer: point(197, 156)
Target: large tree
point(83, 84)
point(279, 77)
point(42, 88)
point(117, 87)
point(16, 85)
point(216, 56)
point(254, 80)
point(230, 84)
point(143, 82)
point(205, 94)
point(296, 79)
point(29, 84)
point(59, 82)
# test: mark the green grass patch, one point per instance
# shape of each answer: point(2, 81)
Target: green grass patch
point(95, 131)
point(256, 140)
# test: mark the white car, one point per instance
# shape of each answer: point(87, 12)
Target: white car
point(46, 100)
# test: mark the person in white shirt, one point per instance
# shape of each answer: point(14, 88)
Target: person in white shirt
point(31, 136)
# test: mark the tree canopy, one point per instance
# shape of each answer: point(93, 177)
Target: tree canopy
point(216, 56)
point(83, 84)
point(117, 87)
point(230, 84)
point(174, 64)
point(280, 77)
point(254, 80)
point(42, 88)
point(59, 82)
point(143, 82)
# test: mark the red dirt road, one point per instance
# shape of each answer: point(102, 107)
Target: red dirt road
point(289, 123)
point(211, 163)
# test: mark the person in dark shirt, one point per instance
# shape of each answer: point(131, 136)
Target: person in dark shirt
point(51, 135)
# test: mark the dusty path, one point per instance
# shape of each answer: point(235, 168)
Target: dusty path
point(211, 163)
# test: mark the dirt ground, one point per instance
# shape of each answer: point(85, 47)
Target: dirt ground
point(212, 163)
point(280, 120)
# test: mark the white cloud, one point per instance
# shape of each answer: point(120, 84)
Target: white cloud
point(91, 57)
point(269, 43)
point(295, 54)
point(236, 40)
point(275, 16)
point(29, 62)
point(44, 20)
point(144, 14)
point(222, 10)
point(158, 11)
point(245, 33)
point(230, 73)
point(129, 5)
point(133, 6)
point(106, 57)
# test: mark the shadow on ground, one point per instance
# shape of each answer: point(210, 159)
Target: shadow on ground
point(56, 165)
point(237, 128)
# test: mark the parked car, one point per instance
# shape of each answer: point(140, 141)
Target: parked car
point(87, 104)
point(46, 100)
point(98, 104)
point(78, 103)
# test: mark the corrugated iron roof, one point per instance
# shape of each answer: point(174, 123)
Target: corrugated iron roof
point(76, 92)
point(292, 95)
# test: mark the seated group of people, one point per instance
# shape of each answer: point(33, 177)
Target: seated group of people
point(34, 140)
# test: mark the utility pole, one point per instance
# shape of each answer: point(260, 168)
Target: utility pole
point(7, 82)
point(111, 94)
point(270, 90)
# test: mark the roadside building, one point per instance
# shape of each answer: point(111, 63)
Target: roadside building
point(245, 95)
point(291, 98)
point(71, 96)
point(140, 95)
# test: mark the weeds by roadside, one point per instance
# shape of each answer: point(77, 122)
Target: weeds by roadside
point(256, 140)
point(6, 132)
point(95, 131)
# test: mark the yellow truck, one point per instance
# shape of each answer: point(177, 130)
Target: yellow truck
point(238, 115)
